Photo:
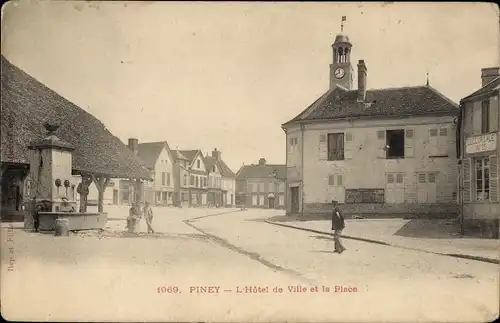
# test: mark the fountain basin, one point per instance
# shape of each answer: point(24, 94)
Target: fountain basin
point(76, 220)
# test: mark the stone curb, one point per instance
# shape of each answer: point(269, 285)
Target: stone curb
point(463, 256)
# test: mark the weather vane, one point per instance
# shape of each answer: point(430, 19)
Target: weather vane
point(344, 18)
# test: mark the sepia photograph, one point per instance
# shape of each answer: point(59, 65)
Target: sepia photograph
point(250, 161)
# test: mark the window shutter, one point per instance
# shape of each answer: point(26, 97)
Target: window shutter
point(331, 180)
point(381, 134)
point(382, 151)
point(433, 141)
point(323, 149)
point(339, 180)
point(348, 146)
point(494, 178)
point(493, 115)
point(466, 164)
point(409, 143)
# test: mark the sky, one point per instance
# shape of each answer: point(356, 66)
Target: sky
point(226, 75)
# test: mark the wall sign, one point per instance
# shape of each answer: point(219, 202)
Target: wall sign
point(479, 144)
point(365, 195)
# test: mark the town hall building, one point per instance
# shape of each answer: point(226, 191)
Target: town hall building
point(374, 151)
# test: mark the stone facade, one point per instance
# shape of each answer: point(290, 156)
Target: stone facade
point(426, 175)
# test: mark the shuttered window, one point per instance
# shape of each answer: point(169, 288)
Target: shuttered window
point(331, 180)
point(390, 178)
point(494, 179)
point(466, 165)
point(482, 180)
point(322, 148)
point(409, 143)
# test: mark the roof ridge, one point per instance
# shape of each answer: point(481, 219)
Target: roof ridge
point(442, 96)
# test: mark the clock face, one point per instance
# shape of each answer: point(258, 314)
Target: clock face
point(339, 73)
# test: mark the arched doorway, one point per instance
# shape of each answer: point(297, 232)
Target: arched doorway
point(271, 201)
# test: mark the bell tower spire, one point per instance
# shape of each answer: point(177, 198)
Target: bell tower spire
point(341, 71)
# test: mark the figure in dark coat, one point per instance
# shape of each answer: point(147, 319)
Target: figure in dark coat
point(338, 224)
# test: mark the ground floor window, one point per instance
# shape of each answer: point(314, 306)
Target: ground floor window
point(254, 200)
point(482, 178)
point(281, 200)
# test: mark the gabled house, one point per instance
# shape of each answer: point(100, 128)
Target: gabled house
point(221, 180)
point(191, 168)
point(479, 153)
point(160, 161)
point(387, 151)
point(214, 196)
point(261, 186)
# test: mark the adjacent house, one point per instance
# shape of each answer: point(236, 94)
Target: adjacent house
point(479, 154)
point(182, 179)
point(214, 196)
point(261, 186)
point(374, 150)
point(159, 160)
point(223, 179)
point(195, 173)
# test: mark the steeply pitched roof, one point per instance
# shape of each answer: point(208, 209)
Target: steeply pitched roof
point(178, 155)
point(261, 171)
point(149, 152)
point(27, 104)
point(491, 86)
point(210, 162)
point(340, 103)
point(190, 154)
point(225, 170)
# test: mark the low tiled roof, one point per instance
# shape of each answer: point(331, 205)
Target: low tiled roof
point(340, 103)
point(491, 86)
point(261, 171)
point(27, 104)
point(150, 151)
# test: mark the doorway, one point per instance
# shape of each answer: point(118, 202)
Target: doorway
point(271, 203)
point(115, 197)
point(294, 195)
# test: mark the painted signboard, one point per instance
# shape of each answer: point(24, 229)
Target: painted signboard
point(366, 195)
point(479, 144)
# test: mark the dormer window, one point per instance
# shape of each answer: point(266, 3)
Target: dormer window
point(214, 169)
point(198, 163)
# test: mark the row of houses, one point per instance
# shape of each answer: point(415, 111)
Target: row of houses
point(407, 150)
point(184, 178)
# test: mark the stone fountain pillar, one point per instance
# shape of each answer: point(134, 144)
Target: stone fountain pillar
point(50, 173)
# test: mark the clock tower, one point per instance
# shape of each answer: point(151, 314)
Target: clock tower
point(341, 71)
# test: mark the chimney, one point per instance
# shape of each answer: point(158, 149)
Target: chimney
point(489, 74)
point(361, 80)
point(216, 154)
point(262, 161)
point(133, 144)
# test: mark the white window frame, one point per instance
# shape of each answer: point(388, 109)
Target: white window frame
point(482, 193)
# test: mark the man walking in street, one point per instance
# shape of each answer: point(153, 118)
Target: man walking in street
point(338, 224)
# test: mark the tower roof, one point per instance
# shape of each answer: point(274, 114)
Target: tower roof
point(341, 38)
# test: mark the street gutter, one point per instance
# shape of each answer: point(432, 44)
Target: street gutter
point(463, 256)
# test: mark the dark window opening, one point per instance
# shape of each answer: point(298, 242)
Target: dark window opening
point(395, 144)
point(485, 117)
point(336, 146)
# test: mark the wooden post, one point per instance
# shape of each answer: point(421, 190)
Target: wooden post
point(101, 183)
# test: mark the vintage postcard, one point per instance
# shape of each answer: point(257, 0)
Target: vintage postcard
point(250, 161)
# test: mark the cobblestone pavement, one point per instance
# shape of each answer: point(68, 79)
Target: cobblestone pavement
point(112, 275)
